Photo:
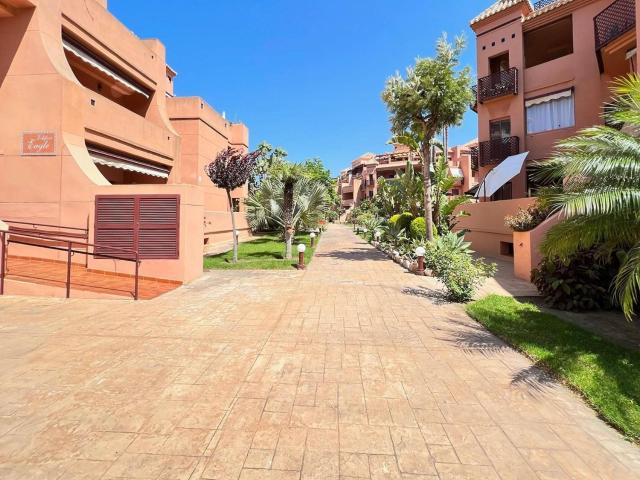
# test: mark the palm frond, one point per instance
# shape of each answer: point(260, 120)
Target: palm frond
point(626, 287)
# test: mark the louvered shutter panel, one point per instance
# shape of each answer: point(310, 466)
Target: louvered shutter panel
point(115, 224)
point(158, 226)
point(149, 224)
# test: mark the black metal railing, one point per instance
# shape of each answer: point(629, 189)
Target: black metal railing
point(543, 3)
point(495, 151)
point(474, 102)
point(498, 84)
point(614, 21)
point(475, 157)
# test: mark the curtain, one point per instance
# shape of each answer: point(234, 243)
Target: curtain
point(551, 115)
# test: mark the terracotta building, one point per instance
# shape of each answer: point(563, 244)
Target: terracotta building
point(94, 139)
point(360, 181)
point(544, 72)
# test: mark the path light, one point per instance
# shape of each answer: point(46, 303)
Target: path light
point(312, 236)
point(377, 235)
point(301, 249)
point(420, 251)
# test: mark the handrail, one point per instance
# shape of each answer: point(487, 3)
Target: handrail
point(46, 225)
point(16, 226)
point(18, 238)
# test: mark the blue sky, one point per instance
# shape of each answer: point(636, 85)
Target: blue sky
point(305, 75)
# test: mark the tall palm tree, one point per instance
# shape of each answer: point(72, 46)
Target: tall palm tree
point(599, 202)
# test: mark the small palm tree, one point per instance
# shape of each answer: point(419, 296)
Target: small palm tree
point(289, 174)
point(599, 202)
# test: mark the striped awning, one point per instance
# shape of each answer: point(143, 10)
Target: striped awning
point(548, 98)
point(113, 160)
point(101, 66)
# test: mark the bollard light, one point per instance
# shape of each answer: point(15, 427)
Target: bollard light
point(312, 236)
point(377, 234)
point(301, 249)
point(420, 251)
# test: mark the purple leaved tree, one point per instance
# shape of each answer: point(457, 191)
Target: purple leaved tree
point(230, 170)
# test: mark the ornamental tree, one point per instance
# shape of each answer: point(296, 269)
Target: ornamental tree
point(433, 95)
point(230, 170)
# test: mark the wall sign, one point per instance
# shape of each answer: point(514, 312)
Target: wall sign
point(38, 143)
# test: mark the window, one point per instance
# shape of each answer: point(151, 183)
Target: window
point(549, 42)
point(550, 112)
point(499, 64)
point(236, 204)
point(500, 129)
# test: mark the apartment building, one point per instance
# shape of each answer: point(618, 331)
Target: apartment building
point(94, 139)
point(360, 181)
point(544, 72)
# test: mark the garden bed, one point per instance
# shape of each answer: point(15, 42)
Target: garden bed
point(607, 375)
point(266, 252)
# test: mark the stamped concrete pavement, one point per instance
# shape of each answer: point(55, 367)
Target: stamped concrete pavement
point(348, 370)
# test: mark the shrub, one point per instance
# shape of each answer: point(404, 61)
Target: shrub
point(579, 283)
point(460, 273)
point(401, 220)
point(418, 228)
point(527, 219)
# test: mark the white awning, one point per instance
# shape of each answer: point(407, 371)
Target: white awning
point(456, 172)
point(123, 163)
point(101, 66)
point(505, 171)
point(548, 98)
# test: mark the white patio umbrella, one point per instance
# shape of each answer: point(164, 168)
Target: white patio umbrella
point(496, 178)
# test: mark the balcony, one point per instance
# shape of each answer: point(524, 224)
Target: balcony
point(614, 21)
point(498, 84)
point(475, 155)
point(493, 152)
point(474, 105)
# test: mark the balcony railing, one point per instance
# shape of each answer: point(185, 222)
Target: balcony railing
point(475, 158)
point(614, 21)
point(474, 102)
point(495, 151)
point(543, 3)
point(498, 84)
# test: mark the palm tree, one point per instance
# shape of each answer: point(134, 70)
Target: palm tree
point(265, 207)
point(599, 202)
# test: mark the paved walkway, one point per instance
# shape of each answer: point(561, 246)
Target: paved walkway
point(348, 370)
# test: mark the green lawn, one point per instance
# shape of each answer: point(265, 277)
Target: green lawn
point(607, 375)
point(263, 253)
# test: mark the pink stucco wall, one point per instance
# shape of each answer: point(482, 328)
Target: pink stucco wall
point(39, 92)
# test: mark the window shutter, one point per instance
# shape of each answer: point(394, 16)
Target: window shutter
point(159, 226)
point(147, 223)
point(115, 224)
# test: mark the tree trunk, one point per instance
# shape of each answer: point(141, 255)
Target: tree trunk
point(287, 214)
point(426, 175)
point(233, 227)
point(438, 194)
